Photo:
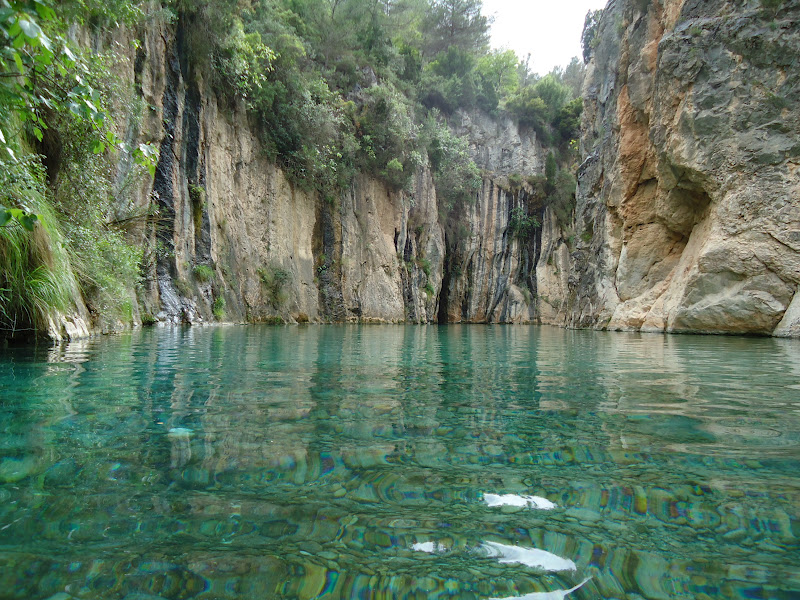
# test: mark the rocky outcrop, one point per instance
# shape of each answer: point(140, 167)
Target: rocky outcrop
point(233, 239)
point(688, 216)
point(688, 201)
point(490, 270)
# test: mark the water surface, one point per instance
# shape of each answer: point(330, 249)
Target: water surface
point(470, 462)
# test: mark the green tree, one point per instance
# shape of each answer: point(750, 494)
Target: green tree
point(590, 27)
point(497, 77)
point(456, 23)
point(573, 75)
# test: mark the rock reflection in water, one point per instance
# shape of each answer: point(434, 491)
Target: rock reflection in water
point(354, 462)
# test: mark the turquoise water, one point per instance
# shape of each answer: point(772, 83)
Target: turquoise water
point(377, 462)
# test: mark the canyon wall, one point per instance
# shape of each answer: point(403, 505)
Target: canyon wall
point(688, 199)
point(688, 216)
point(229, 238)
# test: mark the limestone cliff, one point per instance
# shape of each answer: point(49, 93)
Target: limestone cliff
point(232, 239)
point(489, 273)
point(688, 215)
point(688, 202)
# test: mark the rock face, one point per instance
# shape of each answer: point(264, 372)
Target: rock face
point(688, 201)
point(489, 274)
point(234, 240)
point(688, 216)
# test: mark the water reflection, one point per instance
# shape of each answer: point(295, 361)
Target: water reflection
point(553, 595)
point(530, 557)
point(376, 462)
point(536, 502)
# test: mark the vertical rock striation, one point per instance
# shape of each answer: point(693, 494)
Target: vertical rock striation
point(688, 200)
point(280, 253)
point(490, 270)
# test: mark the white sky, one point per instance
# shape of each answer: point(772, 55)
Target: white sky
point(550, 30)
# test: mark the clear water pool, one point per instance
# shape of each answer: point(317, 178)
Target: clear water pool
point(416, 462)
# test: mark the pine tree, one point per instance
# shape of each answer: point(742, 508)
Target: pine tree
point(456, 23)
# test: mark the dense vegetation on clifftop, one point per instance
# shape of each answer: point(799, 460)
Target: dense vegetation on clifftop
point(335, 88)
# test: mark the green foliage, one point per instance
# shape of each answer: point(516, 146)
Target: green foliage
point(218, 308)
point(448, 81)
point(105, 12)
point(386, 133)
point(425, 265)
point(35, 275)
point(589, 36)
point(455, 24)
point(58, 101)
point(550, 167)
point(540, 104)
point(203, 273)
point(588, 233)
point(429, 291)
point(25, 219)
point(562, 197)
point(497, 78)
point(456, 175)
point(243, 61)
point(275, 279)
point(567, 121)
point(528, 108)
point(521, 224)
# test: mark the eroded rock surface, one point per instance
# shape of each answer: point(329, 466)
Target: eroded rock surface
point(688, 215)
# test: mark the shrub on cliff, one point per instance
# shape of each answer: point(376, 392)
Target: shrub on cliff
point(456, 176)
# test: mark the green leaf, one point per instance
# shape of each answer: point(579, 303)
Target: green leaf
point(98, 146)
point(45, 12)
point(68, 53)
point(38, 133)
point(5, 216)
point(5, 13)
point(30, 29)
point(28, 221)
point(18, 61)
point(18, 42)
